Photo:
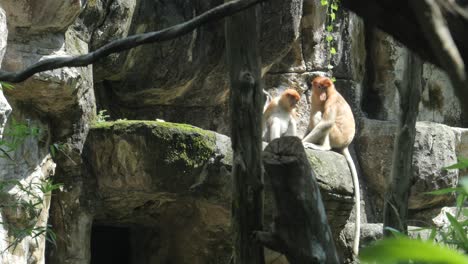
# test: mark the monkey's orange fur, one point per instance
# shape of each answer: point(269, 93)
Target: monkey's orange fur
point(279, 116)
point(337, 116)
point(332, 126)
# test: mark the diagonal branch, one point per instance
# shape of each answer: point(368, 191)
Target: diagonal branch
point(211, 15)
point(438, 35)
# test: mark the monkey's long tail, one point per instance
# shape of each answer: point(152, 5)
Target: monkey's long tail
point(357, 201)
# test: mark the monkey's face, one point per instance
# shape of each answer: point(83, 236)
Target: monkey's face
point(292, 101)
point(292, 97)
point(321, 87)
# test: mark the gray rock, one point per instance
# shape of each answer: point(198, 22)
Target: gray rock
point(461, 135)
point(442, 221)
point(184, 74)
point(369, 234)
point(162, 172)
point(31, 17)
point(5, 108)
point(438, 104)
point(3, 34)
point(434, 149)
point(30, 163)
point(65, 98)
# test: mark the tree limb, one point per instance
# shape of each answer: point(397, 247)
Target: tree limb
point(211, 15)
point(438, 35)
point(406, 22)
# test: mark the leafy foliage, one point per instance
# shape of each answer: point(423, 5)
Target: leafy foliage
point(28, 197)
point(6, 85)
point(402, 250)
point(102, 116)
point(452, 239)
point(16, 133)
point(332, 7)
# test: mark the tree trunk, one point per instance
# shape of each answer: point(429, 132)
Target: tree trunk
point(396, 198)
point(246, 104)
point(301, 231)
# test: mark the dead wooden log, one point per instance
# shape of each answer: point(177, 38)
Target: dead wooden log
point(396, 198)
point(246, 102)
point(300, 229)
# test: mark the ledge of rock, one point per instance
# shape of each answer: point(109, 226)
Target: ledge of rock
point(176, 178)
point(435, 147)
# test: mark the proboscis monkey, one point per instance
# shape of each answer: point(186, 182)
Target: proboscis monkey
point(279, 117)
point(332, 126)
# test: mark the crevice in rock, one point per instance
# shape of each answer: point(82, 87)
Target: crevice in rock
point(372, 104)
point(110, 244)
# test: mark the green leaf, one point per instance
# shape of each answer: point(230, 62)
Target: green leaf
point(433, 234)
point(464, 183)
point(324, 2)
point(332, 51)
point(395, 232)
point(459, 231)
point(329, 66)
point(444, 191)
point(332, 16)
point(6, 85)
point(330, 28)
point(396, 250)
point(461, 164)
point(333, 79)
point(329, 38)
point(461, 198)
point(334, 6)
point(52, 150)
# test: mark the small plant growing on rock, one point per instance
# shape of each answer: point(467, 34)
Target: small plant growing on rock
point(16, 133)
point(101, 117)
point(23, 202)
point(332, 7)
point(448, 244)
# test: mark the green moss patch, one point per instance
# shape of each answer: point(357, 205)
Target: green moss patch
point(178, 143)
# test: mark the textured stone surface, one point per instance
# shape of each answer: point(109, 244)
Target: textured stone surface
point(29, 163)
point(156, 173)
point(371, 233)
point(387, 57)
point(178, 71)
point(461, 135)
point(182, 74)
point(184, 81)
point(434, 149)
point(33, 17)
point(5, 108)
point(62, 101)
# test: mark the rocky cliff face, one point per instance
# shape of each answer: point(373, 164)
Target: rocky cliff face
point(162, 187)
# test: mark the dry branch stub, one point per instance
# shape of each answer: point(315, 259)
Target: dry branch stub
point(300, 229)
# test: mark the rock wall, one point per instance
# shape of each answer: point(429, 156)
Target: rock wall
point(112, 186)
point(60, 104)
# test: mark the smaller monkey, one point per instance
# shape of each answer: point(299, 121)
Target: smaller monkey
point(279, 116)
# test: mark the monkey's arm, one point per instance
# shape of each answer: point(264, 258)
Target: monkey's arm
point(275, 128)
point(320, 132)
point(292, 128)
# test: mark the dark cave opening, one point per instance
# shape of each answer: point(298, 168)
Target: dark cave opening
point(110, 244)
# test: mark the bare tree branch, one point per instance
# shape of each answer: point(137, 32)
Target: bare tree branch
point(211, 15)
point(406, 23)
point(438, 35)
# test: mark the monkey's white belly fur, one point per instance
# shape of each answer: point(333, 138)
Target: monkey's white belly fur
point(278, 125)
